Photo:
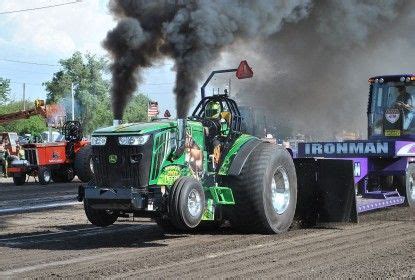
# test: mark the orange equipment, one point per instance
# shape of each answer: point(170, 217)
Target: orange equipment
point(39, 109)
point(58, 161)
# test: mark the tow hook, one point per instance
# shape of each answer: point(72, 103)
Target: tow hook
point(81, 193)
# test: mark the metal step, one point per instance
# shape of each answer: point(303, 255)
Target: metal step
point(369, 204)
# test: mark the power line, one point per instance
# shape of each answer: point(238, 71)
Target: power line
point(40, 8)
point(159, 84)
point(13, 72)
point(31, 84)
point(29, 62)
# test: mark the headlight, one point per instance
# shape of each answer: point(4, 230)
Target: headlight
point(98, 140)
point(133, 140)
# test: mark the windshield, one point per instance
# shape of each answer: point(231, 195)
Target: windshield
point(389, 98)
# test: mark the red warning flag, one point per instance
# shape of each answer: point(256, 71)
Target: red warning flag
point(244, 71)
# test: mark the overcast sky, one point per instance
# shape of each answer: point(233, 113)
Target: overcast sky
point(47, 35)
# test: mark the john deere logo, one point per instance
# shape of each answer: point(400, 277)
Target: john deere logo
point(112, 159)
point(55, 155)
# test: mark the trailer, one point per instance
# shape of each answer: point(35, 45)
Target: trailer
point(384, 164)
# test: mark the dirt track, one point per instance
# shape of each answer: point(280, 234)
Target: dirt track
point(61, 243)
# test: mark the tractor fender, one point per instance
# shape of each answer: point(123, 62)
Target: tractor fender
point(290, 151)
point(241, 157)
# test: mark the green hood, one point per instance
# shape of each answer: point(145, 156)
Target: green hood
point(136, 128)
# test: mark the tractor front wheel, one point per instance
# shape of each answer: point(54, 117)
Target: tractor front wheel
point(265, 192)
point(98, 217)
point(186, 204)
point(44, 175)
point(83, 164)
point(19, 180)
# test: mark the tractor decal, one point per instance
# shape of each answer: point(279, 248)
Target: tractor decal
point(392, 115)
point(170, 174)
point(112, 159)
point(194, 156)
point(345, 148)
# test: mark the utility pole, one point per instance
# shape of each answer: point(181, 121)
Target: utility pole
point(24, 96)
point(73, 102)
point(229, 86)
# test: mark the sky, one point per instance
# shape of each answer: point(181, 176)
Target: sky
point(45, 36)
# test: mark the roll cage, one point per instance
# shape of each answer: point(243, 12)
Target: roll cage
point(227, 105)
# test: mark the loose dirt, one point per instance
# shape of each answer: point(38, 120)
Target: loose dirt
point(61, 243)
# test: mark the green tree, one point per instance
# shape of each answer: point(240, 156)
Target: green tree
point(91, 90)
point(33, 125)
point(4, 90)
point(136, 110)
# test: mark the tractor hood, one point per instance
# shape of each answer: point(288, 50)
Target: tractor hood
point(136, 128)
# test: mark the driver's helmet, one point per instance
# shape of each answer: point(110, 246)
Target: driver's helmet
point(212, 110)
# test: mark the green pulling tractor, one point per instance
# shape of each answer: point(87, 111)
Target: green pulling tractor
point(200, 170)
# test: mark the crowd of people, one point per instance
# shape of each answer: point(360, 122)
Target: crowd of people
point(7, 153)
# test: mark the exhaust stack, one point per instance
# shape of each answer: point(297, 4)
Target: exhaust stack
point(181, 137)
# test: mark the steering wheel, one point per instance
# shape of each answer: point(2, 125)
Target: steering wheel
point(212, 126)
point(404, 106)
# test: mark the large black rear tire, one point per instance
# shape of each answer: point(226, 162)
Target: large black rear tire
point(265, 192)
point(98, 217)
point(83, 164)
point(186, 204)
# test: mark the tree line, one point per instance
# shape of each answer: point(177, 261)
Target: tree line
point(88, 74)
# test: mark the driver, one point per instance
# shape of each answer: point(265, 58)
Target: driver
point(404, 101)
point(212, 113)
point(212, 110)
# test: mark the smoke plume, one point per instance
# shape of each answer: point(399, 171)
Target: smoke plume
point(193, 33)
point(311, 58)
point(313, 74)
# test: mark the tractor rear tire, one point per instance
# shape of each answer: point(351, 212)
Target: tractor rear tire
point(83, 164)
point(19, 180)
point(265, 192)
point(44, 175)
point(186, 203)
point(98, 217)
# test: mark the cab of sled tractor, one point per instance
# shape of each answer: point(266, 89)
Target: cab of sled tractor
point(204, 170)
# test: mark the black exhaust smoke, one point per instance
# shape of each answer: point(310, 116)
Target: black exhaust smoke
point(193, 33)
point(312, 75)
